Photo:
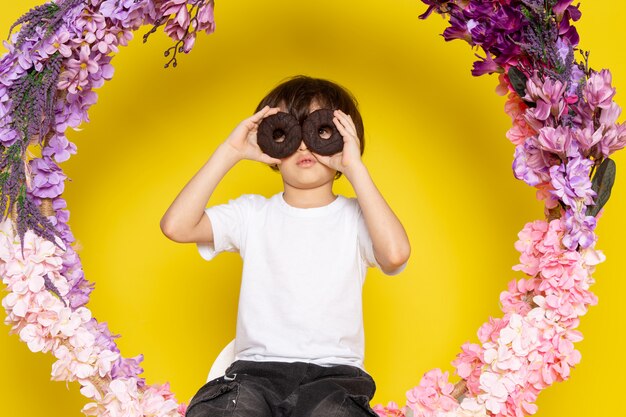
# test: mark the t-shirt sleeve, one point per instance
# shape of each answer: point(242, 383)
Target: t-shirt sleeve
point(366, 247)
point(228, 222)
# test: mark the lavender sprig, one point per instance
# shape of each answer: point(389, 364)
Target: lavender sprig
point(48, 16)
point(32, 98)
point(539, 38)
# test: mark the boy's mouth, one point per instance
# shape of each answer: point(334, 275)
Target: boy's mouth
point(306, 161)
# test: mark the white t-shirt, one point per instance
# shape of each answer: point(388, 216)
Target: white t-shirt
point(303, 271)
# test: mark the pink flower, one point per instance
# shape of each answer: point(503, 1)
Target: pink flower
point(496, 389)
point(81, 363)
point(598, 91)
point(520, 131)
point(515, 107)
point(610, 114)
point(521, 402)
point(206, 21)
point(121, 399)
point(558, 141)
point(69, 321)
point(469, 365)
point(545, 193)
point(89, 390)
point(549, 96)
point(391, 410)
point(519, 335)
point(189, 41)
point(613, 140)
point(36, 337)
point(501, 358)
point(432, 394)
point(517, 298)
point(157, 400)
point(471, 407)
point(61, 368)
point(489, 331)
point(176, 27)
point(530, 235)
point(587, 138)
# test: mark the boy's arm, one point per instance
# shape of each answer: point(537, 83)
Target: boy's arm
point(390, 241)
point(184, 221)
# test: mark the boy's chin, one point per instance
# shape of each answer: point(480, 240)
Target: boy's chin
point(303, 183)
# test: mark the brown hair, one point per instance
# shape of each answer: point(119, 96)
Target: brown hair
point(297, 93)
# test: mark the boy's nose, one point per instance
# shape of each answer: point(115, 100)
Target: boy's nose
point(302, 146)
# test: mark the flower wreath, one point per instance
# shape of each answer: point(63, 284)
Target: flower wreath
point(564, 129)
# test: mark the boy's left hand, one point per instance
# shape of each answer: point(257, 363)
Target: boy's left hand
point(350, 156)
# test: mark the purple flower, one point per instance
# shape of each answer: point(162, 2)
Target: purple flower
point(571, 182)
point(10, 70)
point(8, 136)
point(440, 6)
point(459, 28)
point(116, 9)
point(579, 230)
point(485, 65)
point(577, 76)
point(88, 25)
point(128, 368)
point(58, 42)
point(531, 164)
point(103, 337)
point(59, 147)
point(78, 295)
point(565, 11)
point(59, 220)
point(80, 288)
point(77, 70)
point(48, 179)
point(560, 6)
point(74, 110)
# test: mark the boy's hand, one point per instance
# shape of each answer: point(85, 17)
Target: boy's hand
point(350, 156)
point(243, 138)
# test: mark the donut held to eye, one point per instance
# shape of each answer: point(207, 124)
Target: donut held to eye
point(320, 133)
point(279, 135)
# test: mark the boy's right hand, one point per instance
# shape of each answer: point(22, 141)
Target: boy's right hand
point(243, 138)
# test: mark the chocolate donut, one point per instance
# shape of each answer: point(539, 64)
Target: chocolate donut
point(279, 135)
point(313, 129)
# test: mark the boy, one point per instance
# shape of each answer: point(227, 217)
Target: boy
point(299, 344)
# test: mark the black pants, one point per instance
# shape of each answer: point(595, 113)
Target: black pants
point(280, 389)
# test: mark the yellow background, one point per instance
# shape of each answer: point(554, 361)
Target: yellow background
point(435, 146)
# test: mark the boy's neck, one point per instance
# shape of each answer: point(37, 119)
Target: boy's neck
point(309, 197)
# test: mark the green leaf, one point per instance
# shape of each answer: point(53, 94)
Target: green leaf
point(602, 183)
point(518, 81)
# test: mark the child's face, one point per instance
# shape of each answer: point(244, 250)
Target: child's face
point(309, 173)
